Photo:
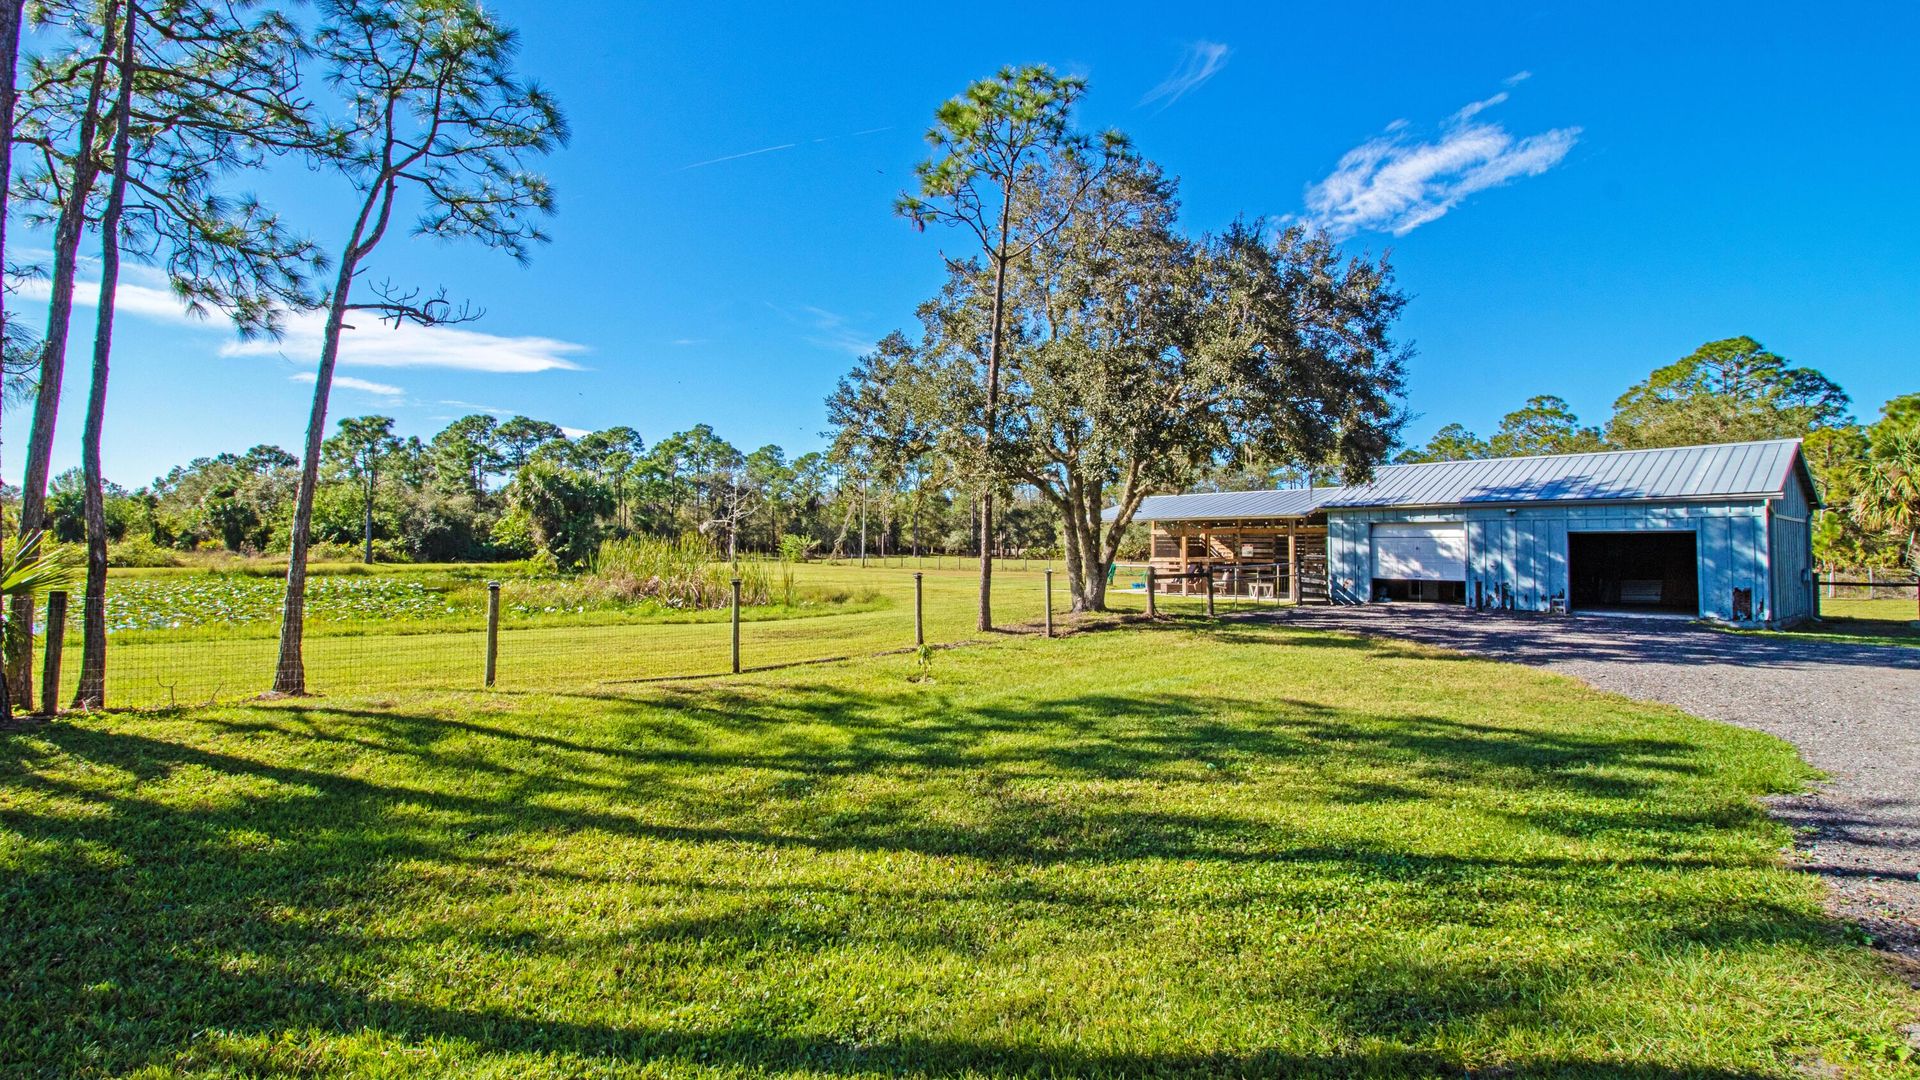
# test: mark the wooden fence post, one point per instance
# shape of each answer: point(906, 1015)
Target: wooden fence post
point(919, 619)
point(493, 629)
point(1152, 612)
point(56, 637)
point(1049, 601)
point(1209, 592)
point(736, 626)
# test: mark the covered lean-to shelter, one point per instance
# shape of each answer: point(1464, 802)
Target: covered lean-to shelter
point(1721, 532)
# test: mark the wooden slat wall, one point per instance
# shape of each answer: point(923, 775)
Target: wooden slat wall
point(1232, 543)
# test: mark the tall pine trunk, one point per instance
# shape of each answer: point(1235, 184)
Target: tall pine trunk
point(53, 356)
point(92, 691)
point(290, 669)
point(993, 407)
point(9, 60)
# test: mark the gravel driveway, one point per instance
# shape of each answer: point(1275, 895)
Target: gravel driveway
point(1853, 710)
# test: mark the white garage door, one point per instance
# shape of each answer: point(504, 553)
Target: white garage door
point(1423, 552)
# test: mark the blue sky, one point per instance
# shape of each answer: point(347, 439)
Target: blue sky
point(1572, 195)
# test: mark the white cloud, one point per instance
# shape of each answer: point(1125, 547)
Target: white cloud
point(375, 344)
point(128, 299)
point(1468, 112)
point(491, 409)
point(832, 331)
point(348, 382)
point(1517, 78)
point(372, 344)
point(1202, 61)
point(574, 432)
point(1396, 183)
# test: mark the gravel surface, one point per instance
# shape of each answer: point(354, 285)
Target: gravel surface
point(1853, 710)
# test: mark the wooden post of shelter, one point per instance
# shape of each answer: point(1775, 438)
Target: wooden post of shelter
point(1293, 561)
point(56, 638)
point(1183, 560)
point(1209, 592)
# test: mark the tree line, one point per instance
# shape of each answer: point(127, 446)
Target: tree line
point(484, 488)
point(1737, 390)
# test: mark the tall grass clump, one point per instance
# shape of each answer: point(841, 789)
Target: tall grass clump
point(684, 573)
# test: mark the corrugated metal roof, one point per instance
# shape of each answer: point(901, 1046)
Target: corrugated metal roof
point(1721, 471)
point(1682, 472)
point(1233, 505)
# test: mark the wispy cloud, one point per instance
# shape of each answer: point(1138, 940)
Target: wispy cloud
point(470, 406)
point(1395, 183)
point(831, 330)
point(372, 344)
point(375, 344)
point(147, 301)
point(1517, 78)
point(1202, 61)
point(348, 382)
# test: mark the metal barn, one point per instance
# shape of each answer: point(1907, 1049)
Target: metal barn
point(1718, 532)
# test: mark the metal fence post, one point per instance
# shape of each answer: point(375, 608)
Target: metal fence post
point(736, 626)
point(1049, 601)
point(56, 637)
point(1152, 612)
point(1209, 592)
point(919, 620)
point(493, 629)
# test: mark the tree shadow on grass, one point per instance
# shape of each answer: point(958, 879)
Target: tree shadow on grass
point(195, 893)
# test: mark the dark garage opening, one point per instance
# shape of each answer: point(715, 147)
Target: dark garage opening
point(1637, 571)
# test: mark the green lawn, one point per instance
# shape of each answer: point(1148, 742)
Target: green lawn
point(1178, 849)
point(1868, 622)
point(845, 611)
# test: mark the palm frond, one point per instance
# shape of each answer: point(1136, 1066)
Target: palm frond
point(29, 570)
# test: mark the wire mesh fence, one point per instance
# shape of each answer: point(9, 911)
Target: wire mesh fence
point(1867, 583)
point(849, 612)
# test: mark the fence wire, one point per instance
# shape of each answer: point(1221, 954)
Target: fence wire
point(215, 662)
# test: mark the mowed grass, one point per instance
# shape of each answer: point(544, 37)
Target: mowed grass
point(1891, 622)
point(1179, 849)
point(861, 612)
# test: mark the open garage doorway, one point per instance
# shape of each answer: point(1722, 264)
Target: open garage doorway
point(1651, 572)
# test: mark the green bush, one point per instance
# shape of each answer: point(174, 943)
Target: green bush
point(141, 551)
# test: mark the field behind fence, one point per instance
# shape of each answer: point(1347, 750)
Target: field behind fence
point(870, 610)
point(1869, 583)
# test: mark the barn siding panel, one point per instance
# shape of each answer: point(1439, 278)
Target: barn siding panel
point(1525, 550)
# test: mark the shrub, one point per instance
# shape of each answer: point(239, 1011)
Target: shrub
point(679, 573)
point(141, 551)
